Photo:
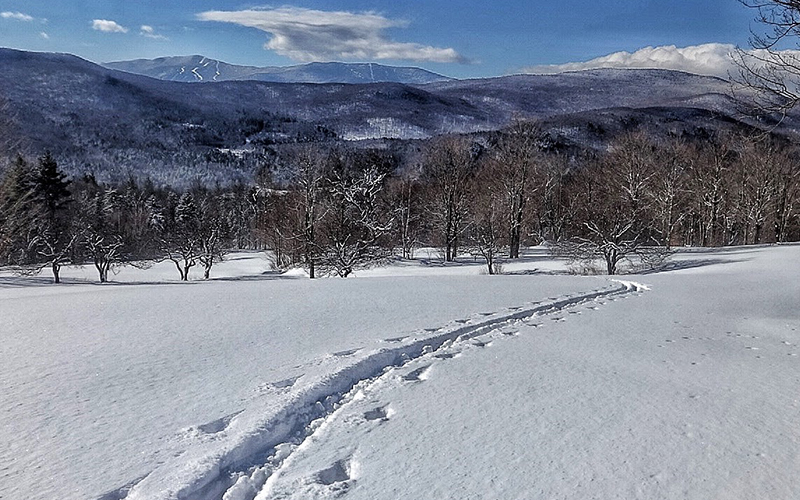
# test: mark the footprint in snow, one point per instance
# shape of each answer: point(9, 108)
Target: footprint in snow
point(283, 384)
point(478, 343)
point(396, 339)
point(417, 375)
point(339, 472)
point(218, 425)
point(447, 355)
point(378, 413)
point(349, 352)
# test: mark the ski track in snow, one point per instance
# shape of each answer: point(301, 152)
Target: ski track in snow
point(263, 444)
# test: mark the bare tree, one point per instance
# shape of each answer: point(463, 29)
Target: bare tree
point(488, 218)
point(669, 190)
point(769, 70)
point(515, 162)
point(551, 208)
point(310, 165)
point(213, 232)
point(99, 223)
point(179, 229)
point(404, 196)
point(710, 185)
point(354, 226)
point(615, 219)
point(449, 164)
point(786, 196)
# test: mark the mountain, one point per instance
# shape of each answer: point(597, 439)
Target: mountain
point(203, 69)
point(116, 124)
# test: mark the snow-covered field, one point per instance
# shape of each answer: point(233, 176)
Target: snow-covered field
point(416, 380)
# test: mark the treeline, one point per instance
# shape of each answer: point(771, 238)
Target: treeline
point(340, 208)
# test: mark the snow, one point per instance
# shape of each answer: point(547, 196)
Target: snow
point(415, 380)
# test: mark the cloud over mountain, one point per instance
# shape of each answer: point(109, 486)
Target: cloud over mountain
point(711, 59)
point(314, 35)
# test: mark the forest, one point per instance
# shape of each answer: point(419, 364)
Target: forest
point(332, 208)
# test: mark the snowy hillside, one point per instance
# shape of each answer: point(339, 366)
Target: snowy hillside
point(203, 69)
point(413, 381)
point(117, 124)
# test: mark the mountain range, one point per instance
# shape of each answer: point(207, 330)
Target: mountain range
point(203, 69)
point(116, 124)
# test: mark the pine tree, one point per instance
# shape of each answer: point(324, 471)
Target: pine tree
point(54, 238)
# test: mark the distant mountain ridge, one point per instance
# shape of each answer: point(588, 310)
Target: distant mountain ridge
point(203, 69)
point(118, 124)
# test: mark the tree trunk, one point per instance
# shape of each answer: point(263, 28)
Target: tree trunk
point(56, 270)
point(184, 273)
point(102, 269)
point(611, 262)
point(514, 241)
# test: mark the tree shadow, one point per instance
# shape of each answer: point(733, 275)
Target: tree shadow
point(688, 264)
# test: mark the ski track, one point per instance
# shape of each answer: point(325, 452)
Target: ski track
point(238, 470)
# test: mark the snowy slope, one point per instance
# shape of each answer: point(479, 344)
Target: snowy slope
point(102, 384)
point(418, 381)
point(204, 69)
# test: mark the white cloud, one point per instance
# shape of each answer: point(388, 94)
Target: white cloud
point(314, 35)
point(712, 59)
point(44, 35)
point(19, 16)
point(150, 32)
point(107, 26)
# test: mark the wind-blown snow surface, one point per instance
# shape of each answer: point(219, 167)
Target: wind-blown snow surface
point(682, 384)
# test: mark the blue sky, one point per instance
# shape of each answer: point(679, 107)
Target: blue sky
point(457, 38)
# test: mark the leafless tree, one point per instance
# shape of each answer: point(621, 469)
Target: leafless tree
point(614, 216)
point(551, 207)
point(403, 195)
point(178, 228)
point(515, 162)
point(449, 164)
point(99, 223)
point(669, 190)
point(213, 233)
point(786, 196)
point(710, 185)
point(769, 70)
point(488, 217)
point(353, 227)
point(309, 164)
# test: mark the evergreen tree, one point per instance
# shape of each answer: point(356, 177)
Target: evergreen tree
point(54, 238)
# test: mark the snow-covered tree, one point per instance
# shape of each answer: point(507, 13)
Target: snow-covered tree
point(353, 226)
